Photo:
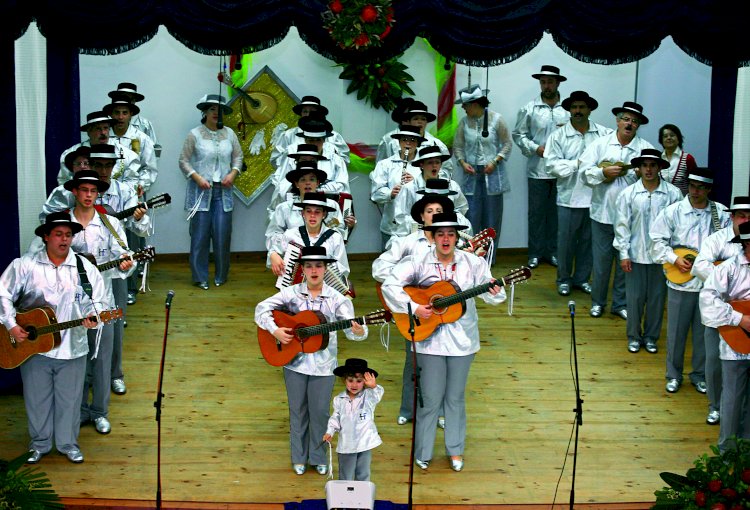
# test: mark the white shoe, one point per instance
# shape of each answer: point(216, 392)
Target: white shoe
point(299, 469)
point(102, 425)
point(441, 422)
point(401, 420)
point(423, 464)
point(713, 418)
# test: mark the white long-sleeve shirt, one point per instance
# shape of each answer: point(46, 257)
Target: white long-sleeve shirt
point(715, 248)
point(397, 250)
point(287, 216)
point(355, 420)
point(561, 155)
point(534, 123)
point(127, 170)
point(404, 224)
point(385, 176)
point(635, 210)
point(148, 171)
point(289, 138)
point(334, 246)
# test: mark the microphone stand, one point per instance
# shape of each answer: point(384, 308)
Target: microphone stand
point(159, 396)
point(579, 402)
point(417, 397)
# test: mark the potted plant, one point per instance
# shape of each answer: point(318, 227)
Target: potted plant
point(25, 488)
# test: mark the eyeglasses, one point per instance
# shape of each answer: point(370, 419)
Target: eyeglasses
point(633, 121)
point(80, 164)
point(409, 139)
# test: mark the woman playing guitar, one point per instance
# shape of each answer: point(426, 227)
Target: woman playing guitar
point(309, 377)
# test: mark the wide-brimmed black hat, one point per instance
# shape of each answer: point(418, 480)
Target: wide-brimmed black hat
point(409, 132)
point(429, 152)
point(57, 219)
point(83, 151)
point(314, 253)
point(471, 93)
point(353, 366)
point(650, 154)
point(121, 100)
point(314, 127)
point(430, 198)
point(402, 105)
point(307, 149)
point(437, 187)
point(104, 151)
point(418, 108)
point(130, 89)
point(701, 174)
point(445, 219)
point(310, 101)
point(580, 95)
point(306, 167)
point(631, 107)
point(95, 118)
point(86, 177)
point(316, 199)
point(744, 234)
point(740, 204)
point(210, 100)
point(549, 71)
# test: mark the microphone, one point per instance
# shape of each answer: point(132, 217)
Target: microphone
point(485, 129)
point(220, 122)
point(411, 319)
point(572, 307)
point(170, 295)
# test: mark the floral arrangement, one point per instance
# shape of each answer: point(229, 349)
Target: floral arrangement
point(380, 84)
point(358, 24)
point(718, 482)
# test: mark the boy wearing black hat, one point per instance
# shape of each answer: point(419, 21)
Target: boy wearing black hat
point(354, 418)
point(138, 121)
point(686, 223)
point(729, 284)
point(309, 377)
point(53, 381)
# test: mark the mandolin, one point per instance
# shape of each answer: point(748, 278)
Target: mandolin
point(674, 274)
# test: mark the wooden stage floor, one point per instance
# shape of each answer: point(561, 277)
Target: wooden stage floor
point(225, 420)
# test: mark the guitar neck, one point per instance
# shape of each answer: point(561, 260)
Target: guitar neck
point(459, 297)
point(328, 327)
point(112, 263)
point(126, 213)
point(60, 326)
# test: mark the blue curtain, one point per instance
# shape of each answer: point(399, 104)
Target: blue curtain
point(721, 134)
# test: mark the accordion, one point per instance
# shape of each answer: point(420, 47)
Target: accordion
point(293, 275)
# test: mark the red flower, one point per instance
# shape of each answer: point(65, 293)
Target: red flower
point(368, 14)
point(385, 32)
point(746, 475)
point(718, 506)
point(729, 493)
point(361, 40)
point(714, 485)
point(700, 498)
point(336, 6)
point(389, 14)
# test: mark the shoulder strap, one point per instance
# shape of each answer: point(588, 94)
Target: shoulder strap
point(304, 236)
point(112, 230)
point(324, 236)
point(715, 223)
point(85, 283)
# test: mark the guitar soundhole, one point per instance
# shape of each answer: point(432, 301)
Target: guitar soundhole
point(31, 330)
point(437, 311)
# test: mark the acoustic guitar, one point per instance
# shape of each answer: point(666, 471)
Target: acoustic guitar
point(737, 338)
point(448, 302)
point(674, 274)
point(310, 333)
point(44, 334)
point(151, 203)
point(479, 241)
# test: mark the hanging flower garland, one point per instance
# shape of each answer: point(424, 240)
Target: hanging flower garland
point(380, 84)
point(358, 24)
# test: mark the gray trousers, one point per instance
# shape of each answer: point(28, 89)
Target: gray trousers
point(646, 291)
point(98, 375)
point(52, 395)
point(683, 314)
point(713, 368)
point(604, 255)
point(542, 218)
point(309, 399)
point(443, 382)
point(573, 245)
point(355, 466)
point(120, 290)
point(407, 385)
point(734, 409)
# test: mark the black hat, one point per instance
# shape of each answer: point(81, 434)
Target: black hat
point(316, 199)
point(210, 100)
point(70, 157)
point(430, 198)
point(310, 101)
point(650, 154)
point(700, 174)
point(314, 127)
point(95, 118)
point(402, 105)
point(121, 100)
point(104, 151)
point(580, 95)
point(744, 235)
point(86, 177)
point(429, 152)
point(740, 204)
point(631, 107)
point(437, 187)
point(353, 366)
point(307, 149)
point(57, 219)
point(418, 108)
point(409, 131)
point(549, 71)
point(306, 167)
point(314, 253)
point(445, 219)
point(130, 89)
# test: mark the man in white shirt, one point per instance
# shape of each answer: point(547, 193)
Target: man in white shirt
point(130, 90)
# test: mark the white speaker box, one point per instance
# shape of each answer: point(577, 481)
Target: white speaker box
point(347, 494)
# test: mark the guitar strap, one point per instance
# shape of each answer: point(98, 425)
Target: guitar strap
point(715, 223)
point(85, 283)
point(323, 237)
point(112, 230)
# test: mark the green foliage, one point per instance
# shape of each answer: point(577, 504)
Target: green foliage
point(358, 24)
point(25, 488)
point(380, 85)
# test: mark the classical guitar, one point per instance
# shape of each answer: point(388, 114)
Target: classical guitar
point(479, 242)
point(310, 333)
point(448, 302)
point(737, 338)
point(44, 334)
point(151, 203)
point(674, 274)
